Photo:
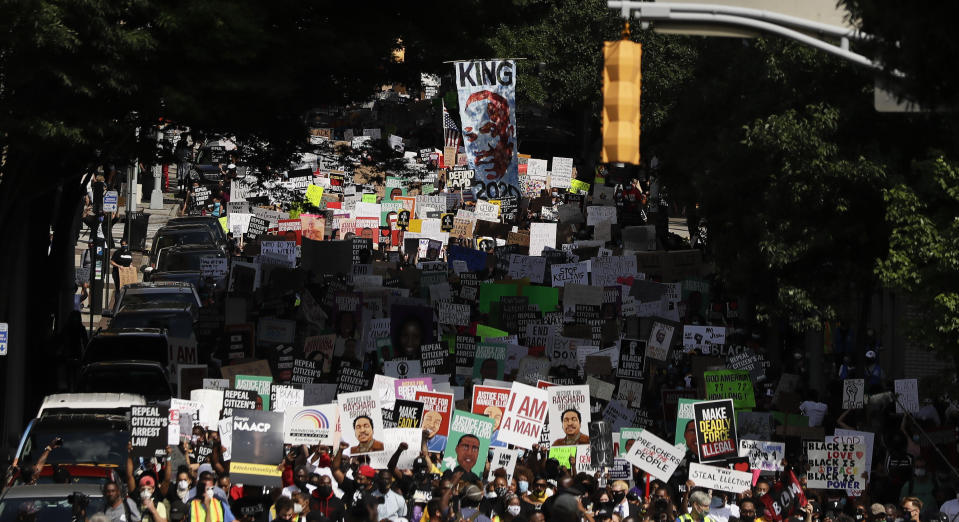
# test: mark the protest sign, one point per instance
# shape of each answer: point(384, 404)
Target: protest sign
point(541, 235)
point(504, 458)
point(763, 455)
point(715, 430)
point(569, 414)
point(784, 499)
point(361, 421)
point(238, 399)
point(435, 358)
point(437, 411)
point(394, 437)
point(833, 464)
point(600, 444)
point(311, 425)
point(148, 431)
point(491, 402)
point(577, 273)
point(907, 395)
point(524, 417)
point(533, 267)
point(562, 172)
point(407, 388)
point(487, 88)
point(852, 393)
point(730, 384)
point(632, 359)
point(654, 455)
point(453, 314)
point(563, 454)
point(283, 397)
point(406, 414)
point(305, 372)
point(469, 436)
point(257, 447)
point(211, 401)
point(215, 267)
point(489, 361)
point(257, 383)
point(660, 339)
point(720, 479)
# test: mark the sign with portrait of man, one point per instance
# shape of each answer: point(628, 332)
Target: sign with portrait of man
point(487, 99)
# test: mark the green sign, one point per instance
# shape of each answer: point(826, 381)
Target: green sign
point(730, 384)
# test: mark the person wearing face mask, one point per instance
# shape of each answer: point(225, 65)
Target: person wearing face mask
point(720, 511)
point(206, 475)
point(300, 482)
point(150, 509)
point(921, 485)
point(204, 506)
point(522, 484)
point(699, 503)
point(393, 506)
point(617, 496)
point(911, 507)
point(495, 493)
point(324, 501)
point(179, 495)
point(534, 498)
point(511, 511)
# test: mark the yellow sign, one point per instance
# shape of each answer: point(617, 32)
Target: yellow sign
point(314, 195)
point(369, 198)
point(578, 185)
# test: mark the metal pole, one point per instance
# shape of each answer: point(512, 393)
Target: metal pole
point(131, 184)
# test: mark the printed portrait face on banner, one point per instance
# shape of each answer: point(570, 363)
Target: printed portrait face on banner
point(491, 139)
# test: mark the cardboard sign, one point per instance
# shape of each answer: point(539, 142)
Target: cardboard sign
point(215, 267)
point(407, 388)
point(562, 172)
point(763, 455)
point(660, 339)
point(469, 438)
point(730, 384)
point(437, 412)
point(720, 479)
point(283, 397)
point(852, 393)
point(632, 359)
point(907, 395)
point(833, 464)
point(533, 267)
point(541, 235)
point(361, 421)
point(239, 399)
point(715, 430)
point(311, 425)
point(394, 437)
point(257, 447)
point(490, 401)
point(525, 416)
point(453, 314)
point(654, 455)
point(258, 384)
point(577, 273)
point(504, 458)
point(148, 431)
point(569, 415)
point(435, 359)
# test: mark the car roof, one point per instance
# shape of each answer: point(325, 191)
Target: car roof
point(52, 490)
point(159, 285)
point(191, 248)
point(131, 332)
point(90, 401)
point(154, 306)
point(183, 226)
point(193, 220)
point(122, 363)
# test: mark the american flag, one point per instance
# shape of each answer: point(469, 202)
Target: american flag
point(451, 133)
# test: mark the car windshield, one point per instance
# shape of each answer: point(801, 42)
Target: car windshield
point(181, 261)
point(193, 236)
point(148, 382)
point(176, 324)
point(118, 347)
point(51, 509)
point(87, 439)
point(172, 298)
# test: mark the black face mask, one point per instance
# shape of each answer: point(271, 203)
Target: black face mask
point(617, 496)
point(324, 491)
point(382, 485)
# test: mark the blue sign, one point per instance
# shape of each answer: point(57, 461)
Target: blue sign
point(110, 201)
point(3, 338)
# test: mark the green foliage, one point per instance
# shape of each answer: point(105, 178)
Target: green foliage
point(923, 258)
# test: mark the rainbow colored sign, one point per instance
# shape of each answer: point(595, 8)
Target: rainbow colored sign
point(311, 425)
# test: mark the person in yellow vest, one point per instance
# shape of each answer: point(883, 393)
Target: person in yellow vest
point(699, 502)
point(204, 507)
point(284, 510)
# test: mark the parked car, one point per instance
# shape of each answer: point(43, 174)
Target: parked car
point(166, 293)
point(178, 321)
point(94, 428)
point(51, 502)
point(147, 378)
point(181, 235)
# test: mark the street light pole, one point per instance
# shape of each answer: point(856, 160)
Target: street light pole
point(131, 190)
point(156, 197)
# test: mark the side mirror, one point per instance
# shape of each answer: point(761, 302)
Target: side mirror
point(146, 269)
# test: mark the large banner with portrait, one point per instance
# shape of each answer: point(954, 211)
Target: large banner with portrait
point(487, 98)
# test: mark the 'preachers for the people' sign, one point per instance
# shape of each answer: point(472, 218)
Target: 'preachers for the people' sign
point(654, 455)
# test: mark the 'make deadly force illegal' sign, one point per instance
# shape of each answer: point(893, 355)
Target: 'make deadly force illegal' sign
point(716, 430)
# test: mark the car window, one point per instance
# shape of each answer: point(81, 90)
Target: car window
point(184, 238)
point(86, 439)
point(178, 298)
point(181, 261)
point(118, 347)
point(55, 509)
point(123, 380)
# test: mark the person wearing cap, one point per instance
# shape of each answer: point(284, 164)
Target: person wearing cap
point(470, 499)
point(877, 513)
point(873, 373)
point(150, 509)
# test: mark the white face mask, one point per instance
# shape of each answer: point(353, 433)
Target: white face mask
point(513, 510)
point(183, 485)
point(298, 508)
point(146, 493)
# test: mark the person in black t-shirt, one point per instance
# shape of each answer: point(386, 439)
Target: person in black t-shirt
point(122, 257)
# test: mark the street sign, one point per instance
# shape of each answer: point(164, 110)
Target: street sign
point(110, 201)
point(3, 338)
